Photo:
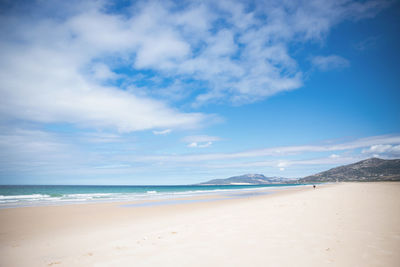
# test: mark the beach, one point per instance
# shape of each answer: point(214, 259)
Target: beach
point(345, 224)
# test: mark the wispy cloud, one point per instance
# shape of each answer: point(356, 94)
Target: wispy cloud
point(237, 53)
point(100, 137)
point(200, 145)
point(26, 151)
point(386, 150)
point(200, 141)
point(283, 165)
point(368, 43)
point(92, 65)
point(163, 132)
point(37, 152)
point(201, 138)
point(74, 81)
point(281, 151)
point(331, 62)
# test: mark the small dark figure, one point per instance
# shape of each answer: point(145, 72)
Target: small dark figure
point(313, 186)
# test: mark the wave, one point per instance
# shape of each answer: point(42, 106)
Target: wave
point(88, 195)
point(56, 198)
point(16, 197)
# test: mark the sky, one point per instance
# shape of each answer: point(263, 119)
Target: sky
point(181, 92)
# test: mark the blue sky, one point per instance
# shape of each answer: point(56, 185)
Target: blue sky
point(179, 92)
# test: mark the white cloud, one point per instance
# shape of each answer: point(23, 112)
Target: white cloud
point(29, 150)
point(163, 132)
point(38, 152)
point(50, 75)
point(368, 43)
point(99, 137)
point(59, 65)
point(200, 141)
point(326, 63)
point(102, 72)
point(378, 149)
point(193, 144)
point(67, 98)
point(200, 145)
point(383, 150)
point(82, 63)
point(271, 163)
point(278, 151)
point(201, 138)
point(114, 166)
point(282, 164)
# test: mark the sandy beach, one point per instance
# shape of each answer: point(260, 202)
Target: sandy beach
point(347, 224)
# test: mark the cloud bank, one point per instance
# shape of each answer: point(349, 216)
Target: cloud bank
point(100, 65)
point(40, 153)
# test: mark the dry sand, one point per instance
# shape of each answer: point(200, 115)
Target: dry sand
point(351, 224)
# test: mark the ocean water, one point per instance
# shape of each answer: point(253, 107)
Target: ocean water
point(44, 195)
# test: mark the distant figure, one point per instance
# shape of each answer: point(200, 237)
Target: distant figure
point(313, 186)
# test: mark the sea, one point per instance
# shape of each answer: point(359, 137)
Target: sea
point(12, 196)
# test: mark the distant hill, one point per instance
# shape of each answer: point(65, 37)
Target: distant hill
point(373, 169)
point(249, 179)
point(369, 170)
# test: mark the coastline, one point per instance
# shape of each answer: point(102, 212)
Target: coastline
point(345, 224)
point(15, 196)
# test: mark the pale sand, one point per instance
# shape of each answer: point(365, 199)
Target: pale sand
point(355, 224)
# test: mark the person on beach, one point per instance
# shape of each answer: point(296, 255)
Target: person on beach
point(313, 186)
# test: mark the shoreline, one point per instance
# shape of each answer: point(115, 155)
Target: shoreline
point(42, 200)
point(297, 226)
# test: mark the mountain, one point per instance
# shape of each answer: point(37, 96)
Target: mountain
point(248, 179)
point(369, 170)
point(373, 169)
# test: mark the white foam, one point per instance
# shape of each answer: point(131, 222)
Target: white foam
point(33, 196)
point(89, 195)
point(42, 199)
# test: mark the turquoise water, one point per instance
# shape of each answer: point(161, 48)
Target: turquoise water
point(41, 195)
